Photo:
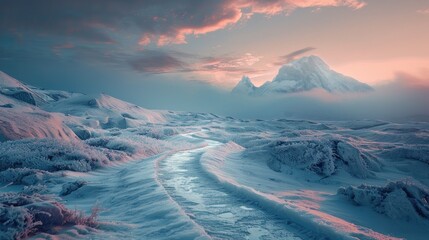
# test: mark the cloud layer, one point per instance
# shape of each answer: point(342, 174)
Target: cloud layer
point(159, 22)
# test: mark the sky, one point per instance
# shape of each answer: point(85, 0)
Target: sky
point(142, 50)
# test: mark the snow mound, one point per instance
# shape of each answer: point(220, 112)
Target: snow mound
point(413, 152)
point(23, 215)
point(214, 158)
point(322, 156)
point(403, 200)
point(55, 155)
point(108, 111)
point(19, 124)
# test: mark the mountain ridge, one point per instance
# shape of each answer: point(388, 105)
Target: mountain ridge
point(304, 74)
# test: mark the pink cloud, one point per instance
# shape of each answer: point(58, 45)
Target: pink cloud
point(230, 12)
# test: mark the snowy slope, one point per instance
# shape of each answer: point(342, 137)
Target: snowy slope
point(105, 111)
point(15, 89)
point(20, 118)
point(304, 74)
point(17, 123)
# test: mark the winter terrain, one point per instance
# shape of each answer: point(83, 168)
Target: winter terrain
point(74, 166)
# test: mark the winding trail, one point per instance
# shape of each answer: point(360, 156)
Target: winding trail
point(170, 197)
point(221, 213)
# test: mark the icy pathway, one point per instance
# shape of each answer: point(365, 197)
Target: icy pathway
point(135, 205)
point(222, 214)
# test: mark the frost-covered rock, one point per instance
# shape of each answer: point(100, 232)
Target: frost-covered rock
point(404, 200)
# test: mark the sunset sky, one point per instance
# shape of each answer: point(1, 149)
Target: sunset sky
point(81, 45)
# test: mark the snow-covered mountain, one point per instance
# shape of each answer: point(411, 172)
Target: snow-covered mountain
point(302, 75)
point(245, 86)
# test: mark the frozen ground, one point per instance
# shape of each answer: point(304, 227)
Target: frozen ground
point(94, 167)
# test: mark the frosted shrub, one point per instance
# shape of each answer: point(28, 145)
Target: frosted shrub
point(54, 155)
point(157, 132)
point(321, 155)
point(24, 176)
point(311, 155)
point(23, 215)
point(114, 143)
point(404, 200)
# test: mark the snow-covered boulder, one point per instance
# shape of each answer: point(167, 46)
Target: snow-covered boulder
point(404, 200)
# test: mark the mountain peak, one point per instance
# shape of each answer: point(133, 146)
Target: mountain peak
point(312, 60)
point(245, 86)
point(304, 74)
